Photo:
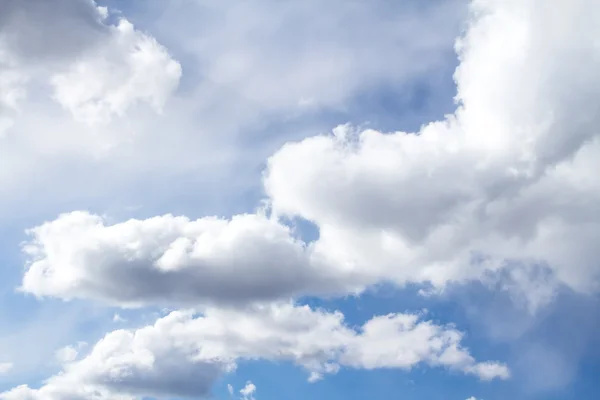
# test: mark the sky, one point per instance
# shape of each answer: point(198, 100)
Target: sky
point(257, 200)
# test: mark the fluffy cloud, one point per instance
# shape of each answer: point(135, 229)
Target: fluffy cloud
point(502, 191)
point(502, 187)
point(175, 260)
point(183, 354)
point(96, 69)
point(100, 140)
point(248, 391)
point(130, 67)
point(71, 76)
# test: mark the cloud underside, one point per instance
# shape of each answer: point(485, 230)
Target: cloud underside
point(503, 192)
point(182, 354)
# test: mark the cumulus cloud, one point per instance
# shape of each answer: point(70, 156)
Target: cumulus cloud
point(248, 391)
point(501, 191)
point(501, 187)
point(183, 354)
point(130, 67)
point(71, 75)
point(96, 69)
point(171, 259)
point(99, 140)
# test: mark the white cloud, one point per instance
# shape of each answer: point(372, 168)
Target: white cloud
point(248, 391)
point(240, 81)
point(502, 191)
point(96, 69)
point(66, 354)
point(502, 185)
point(182, 355)
point(130, 67)
point(63, 63)
point(219, 126)
point(174, 260)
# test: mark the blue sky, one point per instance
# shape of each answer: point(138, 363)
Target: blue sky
point(264, 200)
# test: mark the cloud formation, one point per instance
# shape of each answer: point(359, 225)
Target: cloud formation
point(501, 191)
point(501, 186)
point(130, 68)
point(173, 260)
point(248, 391)
point(98, 72)
point(72, 74)
point(100, 140)
point(182, 355)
